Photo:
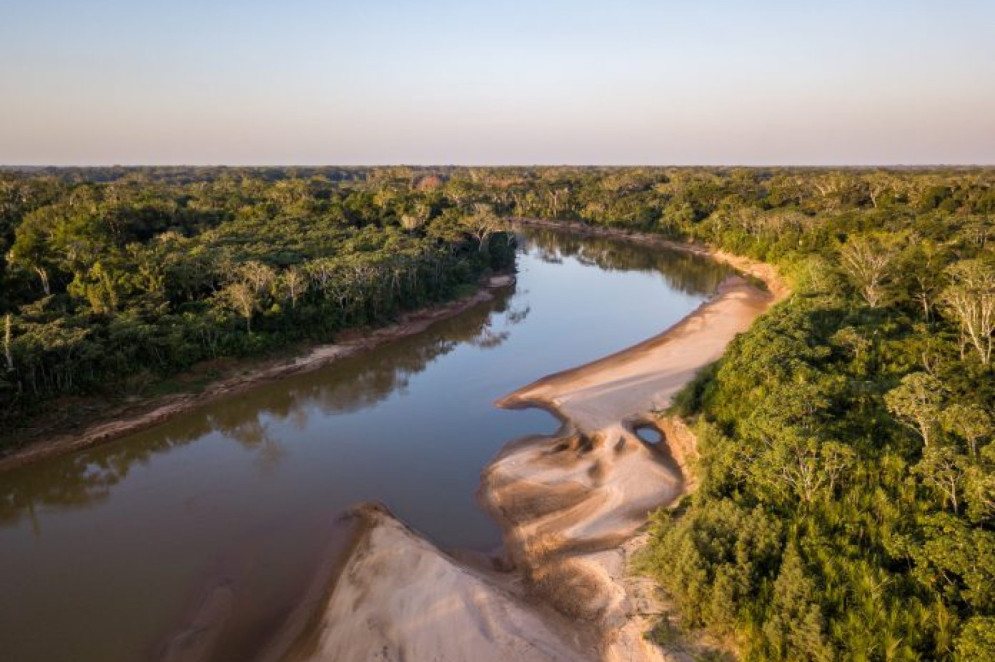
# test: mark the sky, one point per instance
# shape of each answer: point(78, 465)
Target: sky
point(652, 82)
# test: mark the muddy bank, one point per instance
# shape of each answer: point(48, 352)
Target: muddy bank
point(120, 421)
point(570, 506)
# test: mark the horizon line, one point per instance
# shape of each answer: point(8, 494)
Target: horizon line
point(4, 166)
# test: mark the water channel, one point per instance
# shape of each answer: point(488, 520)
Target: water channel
point(104, 552)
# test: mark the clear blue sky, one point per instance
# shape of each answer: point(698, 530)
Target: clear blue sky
point(488, 82)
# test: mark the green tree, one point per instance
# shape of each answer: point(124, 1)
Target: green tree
point(976, 642)
point(31, 247)
point(482, 224)
point(970, 299)
point(795, 630)
point(868, 262)
point(943, 471)
point(294, 283)
point(971, 423)
point(917, 401)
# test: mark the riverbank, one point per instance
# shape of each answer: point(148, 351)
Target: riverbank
point(115, 422)
point(570, 506)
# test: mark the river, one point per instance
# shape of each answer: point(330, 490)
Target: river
point(103, 553)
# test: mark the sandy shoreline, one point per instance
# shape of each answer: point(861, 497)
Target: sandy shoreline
point(570, 506)
point(125, 420)
point(398, 597)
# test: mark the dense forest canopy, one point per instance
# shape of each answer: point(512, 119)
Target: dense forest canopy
point(126, 280)
point(846, 500)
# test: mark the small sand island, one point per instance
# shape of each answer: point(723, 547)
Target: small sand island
point(570, 505)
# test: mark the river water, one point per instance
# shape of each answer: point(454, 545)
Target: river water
point(105, 552)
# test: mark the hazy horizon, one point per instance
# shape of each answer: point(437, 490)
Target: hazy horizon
point(620, 166)
point(306, 83)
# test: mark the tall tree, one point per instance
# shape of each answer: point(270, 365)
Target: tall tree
point(868, 262)
point(917, 401)
point(970, 299)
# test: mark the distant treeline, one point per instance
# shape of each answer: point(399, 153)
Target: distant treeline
point(846, 499)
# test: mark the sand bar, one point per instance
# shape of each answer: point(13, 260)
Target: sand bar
point(570, 505)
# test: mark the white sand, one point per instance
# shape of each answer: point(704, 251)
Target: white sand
point(400, 598)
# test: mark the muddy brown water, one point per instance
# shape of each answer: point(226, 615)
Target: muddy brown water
point(106, 552)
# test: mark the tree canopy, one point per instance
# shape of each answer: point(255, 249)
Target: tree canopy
point(845, 507)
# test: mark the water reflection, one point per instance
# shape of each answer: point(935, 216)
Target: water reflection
point(351, 385)
point(685, 272)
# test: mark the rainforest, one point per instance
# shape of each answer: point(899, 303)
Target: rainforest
point(843, 500)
